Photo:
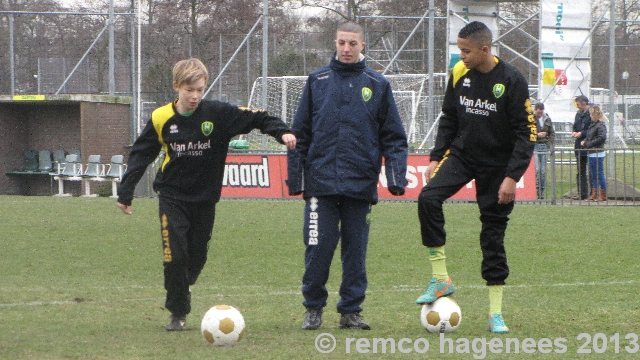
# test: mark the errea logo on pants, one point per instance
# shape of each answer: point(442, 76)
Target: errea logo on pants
point(313, 221)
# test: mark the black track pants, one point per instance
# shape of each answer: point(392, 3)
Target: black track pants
point(186, 231)
point(452, 174)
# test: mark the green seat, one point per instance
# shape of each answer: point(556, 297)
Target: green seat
point(70, 170)
point(30, 161)
point(94, 167)
point(116, 169)
point(45, 163)
point(239, 144)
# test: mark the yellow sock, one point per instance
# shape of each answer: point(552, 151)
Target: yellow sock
point(495, 299)
point(438, 262)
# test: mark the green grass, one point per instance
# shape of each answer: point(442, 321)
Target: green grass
point(80, 280)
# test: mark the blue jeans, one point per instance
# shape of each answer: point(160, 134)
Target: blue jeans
point(541, 155)
point(596, 169)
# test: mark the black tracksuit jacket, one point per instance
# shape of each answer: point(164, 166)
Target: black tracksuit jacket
point(487, 119)
point(195, 149)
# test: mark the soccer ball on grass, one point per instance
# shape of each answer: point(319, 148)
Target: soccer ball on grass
point(222, 325)
point(441, 316)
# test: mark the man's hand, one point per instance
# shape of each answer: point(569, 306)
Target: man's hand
point(507, 192)
point(125, 208)
point(429, 172)
point(542, 134)
point(289, 140)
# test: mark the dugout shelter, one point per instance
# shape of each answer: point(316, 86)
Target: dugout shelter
point(89, 124)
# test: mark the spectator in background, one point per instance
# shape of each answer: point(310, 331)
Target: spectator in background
point(594, 142)
point(580, 126)
point(546, 136)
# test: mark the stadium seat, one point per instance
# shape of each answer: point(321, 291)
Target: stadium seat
point(115, 170)
point(30, 161)
point(58, 158)
point(238, 145)
point(45, 164)
point(70, 170)
point(93, 172)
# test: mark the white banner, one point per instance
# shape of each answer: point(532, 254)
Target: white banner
point(565, 53)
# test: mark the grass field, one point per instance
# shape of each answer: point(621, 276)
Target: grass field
point(80, 280)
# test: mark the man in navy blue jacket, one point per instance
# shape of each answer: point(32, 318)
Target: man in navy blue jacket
point(580, 128)
point(346, 122)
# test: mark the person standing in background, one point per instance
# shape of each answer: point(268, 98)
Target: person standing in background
point(580, 126)
point(546, 137)
point(594, 143)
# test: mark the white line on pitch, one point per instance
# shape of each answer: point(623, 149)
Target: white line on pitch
point(401, 288)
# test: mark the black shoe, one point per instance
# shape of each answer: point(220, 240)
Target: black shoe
point(176, 323)
point(353, 321)
point(312, 319)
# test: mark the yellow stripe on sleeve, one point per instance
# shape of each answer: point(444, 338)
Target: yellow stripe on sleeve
point(159, 118)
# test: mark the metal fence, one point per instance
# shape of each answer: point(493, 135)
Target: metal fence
point(621, 169)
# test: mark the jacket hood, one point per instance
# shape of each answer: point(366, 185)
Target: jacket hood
point(341, 67)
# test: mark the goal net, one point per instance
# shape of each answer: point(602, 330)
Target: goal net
point(410, 93)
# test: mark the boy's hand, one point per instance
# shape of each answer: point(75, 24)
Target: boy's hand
point(429, 172)
point(125, 208)
point(507, 192)
point(289, 140)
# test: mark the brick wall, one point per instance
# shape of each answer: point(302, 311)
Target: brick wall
point(105, 130)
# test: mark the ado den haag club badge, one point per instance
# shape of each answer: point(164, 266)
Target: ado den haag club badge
point(207, 128)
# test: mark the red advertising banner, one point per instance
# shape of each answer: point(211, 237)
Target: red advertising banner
point(263, 176)
point(255, 176)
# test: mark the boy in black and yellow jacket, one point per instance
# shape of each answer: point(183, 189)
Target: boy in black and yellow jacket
point(194, 135)
point(487, 132)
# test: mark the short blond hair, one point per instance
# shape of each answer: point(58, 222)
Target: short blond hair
point(189, 71)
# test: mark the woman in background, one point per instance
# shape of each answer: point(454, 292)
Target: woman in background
point(594, 142)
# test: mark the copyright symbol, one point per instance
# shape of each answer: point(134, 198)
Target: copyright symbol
point(325, 343)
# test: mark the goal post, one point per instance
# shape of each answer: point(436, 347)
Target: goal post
point(409, 91)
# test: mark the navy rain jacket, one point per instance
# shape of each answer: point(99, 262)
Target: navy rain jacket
point(346, 122)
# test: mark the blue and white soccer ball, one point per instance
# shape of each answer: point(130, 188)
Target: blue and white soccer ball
point(441, 316)
point(222, 325)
